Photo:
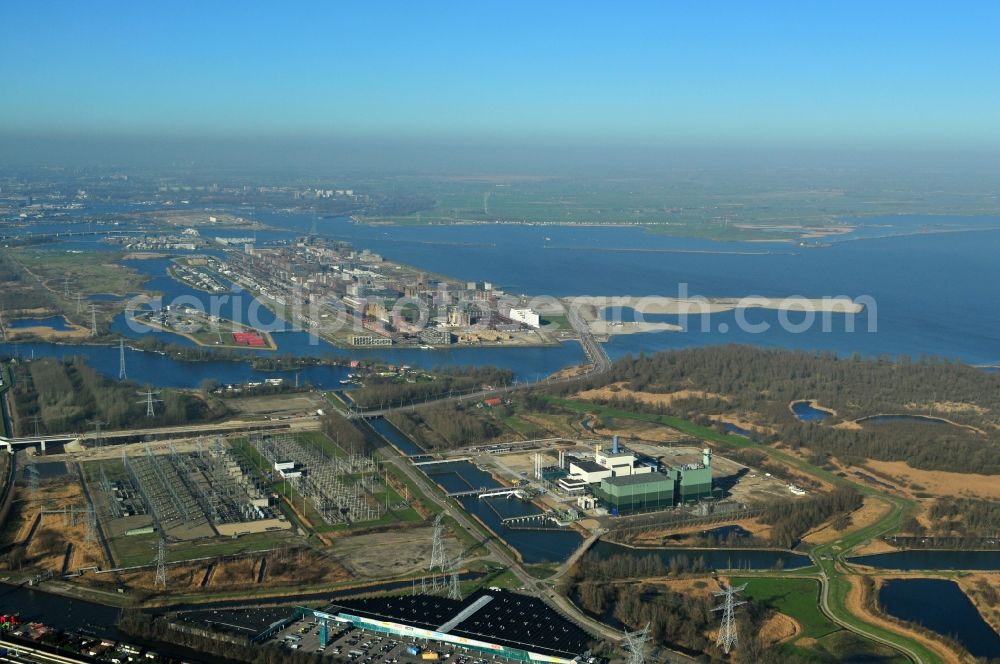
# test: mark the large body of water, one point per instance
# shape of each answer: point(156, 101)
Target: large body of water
point(940, 605)
point(933, 291)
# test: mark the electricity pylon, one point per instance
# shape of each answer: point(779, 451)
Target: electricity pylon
point(727, 630)
point(149, 400)
point(121, 360)
point(636, 643)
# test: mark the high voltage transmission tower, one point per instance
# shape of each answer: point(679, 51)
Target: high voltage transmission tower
point(149, 401)
point(35, 419)
point(97, 424)
point(636, 643)
point(121, 360)
point(91, 533)
point(727, 630)
point(32, 473)
point(93, 320)
point(161, 563)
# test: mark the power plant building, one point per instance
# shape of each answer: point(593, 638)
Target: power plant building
point(624, 494)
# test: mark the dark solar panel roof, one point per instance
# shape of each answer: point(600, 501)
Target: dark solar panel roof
point(424, 611)
point(523, 622)
point(510, 619)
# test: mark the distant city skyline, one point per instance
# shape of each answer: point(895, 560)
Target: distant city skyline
point(713, 73)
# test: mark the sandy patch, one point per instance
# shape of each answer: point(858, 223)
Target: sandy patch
point(640, 431)
point(75, 332)
point(779, 628)
point(941, 482)
point(591, 307)
point(388, 554)
point(699, 588)
point(871, 510)
point(657, 537)
point(630, 327)
point(947, 407)
point(619, 391)
point(873, 546)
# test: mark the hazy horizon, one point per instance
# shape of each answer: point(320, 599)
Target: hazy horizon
point(413, 88)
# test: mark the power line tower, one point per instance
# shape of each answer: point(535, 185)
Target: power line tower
point(97, 424)
point(161, 564)
point(439, 559)
point(93, 320)
point(35, 419)
point(79, 303)
point(91, 533)
point(32, 473)
point(149, 401)
point(636, 644)
point(121, 360)
point(727, 630)
point(454, 587)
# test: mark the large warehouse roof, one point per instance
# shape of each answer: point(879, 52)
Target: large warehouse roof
point(507, 619)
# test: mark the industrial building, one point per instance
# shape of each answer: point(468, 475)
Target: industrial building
point(491, 621)
point(626, 494)
point(616, 461)
point(623, 482)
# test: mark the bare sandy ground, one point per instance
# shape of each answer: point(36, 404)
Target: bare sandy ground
point(630, 327)
point(940, 482)
point(655, 537)
point(871, 510)
point(74, 333)
point(779, 628)
point(947, 407)
point(591, 306)
point(618, 390)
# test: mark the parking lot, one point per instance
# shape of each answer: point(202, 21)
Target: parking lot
point(346, 642)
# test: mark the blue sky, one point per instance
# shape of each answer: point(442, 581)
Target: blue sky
point(698, 72)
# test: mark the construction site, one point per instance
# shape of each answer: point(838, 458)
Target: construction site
point(199, 513)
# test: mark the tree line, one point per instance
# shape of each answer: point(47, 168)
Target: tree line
point(386, 390)
point(791, 519)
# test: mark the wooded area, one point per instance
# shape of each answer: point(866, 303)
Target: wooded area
point(66, 394)
point(757, 385)
point(379, 390)
point(444, 426)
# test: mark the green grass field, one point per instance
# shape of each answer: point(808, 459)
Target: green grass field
point(796, 598)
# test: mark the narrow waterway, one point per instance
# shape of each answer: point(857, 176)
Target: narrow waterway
point(717, 559)
point(932, 559)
